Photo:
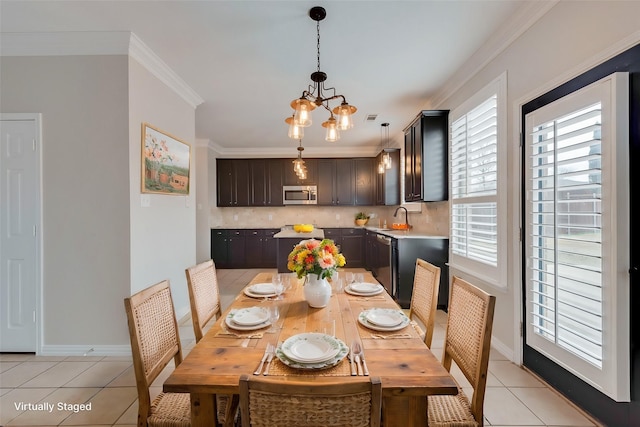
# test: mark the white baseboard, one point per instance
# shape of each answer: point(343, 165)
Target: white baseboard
point(505, 350)
point(85, 350)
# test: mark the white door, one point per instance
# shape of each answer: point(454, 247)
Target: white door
point(577, 247)
point(19, 234)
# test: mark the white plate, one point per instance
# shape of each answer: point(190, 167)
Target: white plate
point(233, 325)
point(365, 288)
point(248, 291)
point(311, 348)
point(342, 353)
point(362, 319)
point(263, 288)
point(384, 317)
point(352, 291)
point(251, 316)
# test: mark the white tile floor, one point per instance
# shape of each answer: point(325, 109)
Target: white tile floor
point(513, 397)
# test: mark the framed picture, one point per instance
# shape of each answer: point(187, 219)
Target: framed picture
point(166, 162)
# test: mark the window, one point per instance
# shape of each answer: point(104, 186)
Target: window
point(576, 228)
point(476, 163)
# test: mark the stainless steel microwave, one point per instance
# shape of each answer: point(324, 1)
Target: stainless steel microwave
point(300, 194)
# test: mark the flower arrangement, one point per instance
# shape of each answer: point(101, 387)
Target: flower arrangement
point(311, 256)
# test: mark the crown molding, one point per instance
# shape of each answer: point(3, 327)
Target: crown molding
point(156, 66)
point(82, 43)
point(522, 20)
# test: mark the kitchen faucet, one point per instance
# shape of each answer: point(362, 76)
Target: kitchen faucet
point(406, 215)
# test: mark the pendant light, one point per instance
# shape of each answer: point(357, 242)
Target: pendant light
point(298, 164)
point(317, 95)
point(385, 161)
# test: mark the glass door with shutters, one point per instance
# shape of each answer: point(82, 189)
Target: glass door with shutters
point(576, 234)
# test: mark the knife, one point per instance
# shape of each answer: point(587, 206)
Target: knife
point(269, 359)
point(264, 358)
point(351, 359)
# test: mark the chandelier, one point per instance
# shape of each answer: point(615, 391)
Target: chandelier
point(385, 160)
point(340, 117)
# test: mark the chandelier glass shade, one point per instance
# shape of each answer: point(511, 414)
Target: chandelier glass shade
point(317, 95)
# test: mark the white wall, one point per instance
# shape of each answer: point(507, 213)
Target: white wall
point(163, 235)
point(568, 40)
point(83, 101)
point(203, 231)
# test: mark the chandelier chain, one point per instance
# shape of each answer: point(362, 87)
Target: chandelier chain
point(318, 45)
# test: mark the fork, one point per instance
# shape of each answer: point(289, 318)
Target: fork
point(360, 358)
point(269, 358)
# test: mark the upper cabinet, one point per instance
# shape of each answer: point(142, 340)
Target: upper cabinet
point(290, 177)
point(232, 182)
point(266, 180)
point(425, 155)
point(345, 182)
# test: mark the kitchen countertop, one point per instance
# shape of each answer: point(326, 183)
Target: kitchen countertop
point(404, 234)
point(317, 233)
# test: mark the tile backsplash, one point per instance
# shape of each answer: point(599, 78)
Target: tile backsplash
point(433, 217)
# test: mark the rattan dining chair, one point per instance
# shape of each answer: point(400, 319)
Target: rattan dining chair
point(154, 342)
point(424, 298)
point(204, 298)
point(467, 343)
point(272, 402)
point(204, 295)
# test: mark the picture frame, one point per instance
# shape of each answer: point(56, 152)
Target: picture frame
point(166, 162)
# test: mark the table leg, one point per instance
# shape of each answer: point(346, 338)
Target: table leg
point(203, 410)
point(404, 411)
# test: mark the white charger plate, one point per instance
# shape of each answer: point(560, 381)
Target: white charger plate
point(311, 347)
point(342, 353)
point(233, 325)
point(384, 317)
point(365, 288)
point(350, 290)
point(251, 316)
point(362, 319)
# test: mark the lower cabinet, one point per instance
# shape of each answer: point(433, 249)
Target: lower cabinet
point(351, 242)
point(432, 250)
point(243, 248)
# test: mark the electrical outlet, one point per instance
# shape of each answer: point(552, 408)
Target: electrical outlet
point(270, 217)
point(235, 217)
point(337, 217)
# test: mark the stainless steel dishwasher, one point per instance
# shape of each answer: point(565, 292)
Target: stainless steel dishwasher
point(383, 270)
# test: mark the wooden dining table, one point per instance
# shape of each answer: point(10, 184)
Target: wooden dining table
point(408, 370)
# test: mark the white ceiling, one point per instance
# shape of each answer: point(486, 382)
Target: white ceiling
point(249, 59)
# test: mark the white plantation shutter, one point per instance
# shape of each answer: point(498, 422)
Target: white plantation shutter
point(566, 232)
point(576, 234)
point(476, 135)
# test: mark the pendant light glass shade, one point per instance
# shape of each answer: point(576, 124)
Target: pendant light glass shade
point(333, 134)
point(381, 167)
point(302, 116)
point(295, 131)
point(386, 160)
point(345, 113)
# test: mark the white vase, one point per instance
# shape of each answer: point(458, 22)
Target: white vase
point(317, 291)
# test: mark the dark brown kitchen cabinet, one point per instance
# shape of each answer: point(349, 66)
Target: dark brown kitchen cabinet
point(353, 246)
point(426, 157)
point(363, 170)
point(345, 182)
point(260, 248)
point(351, 242)
point(387, 188)
point(243, 248)
point(266, 177)
point(232, 182)
point(290, 177)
